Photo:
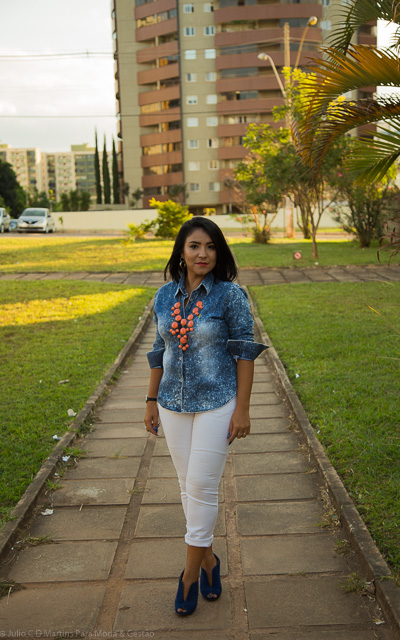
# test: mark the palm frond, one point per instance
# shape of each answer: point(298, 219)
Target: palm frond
point(358, 13)
point(373, 159)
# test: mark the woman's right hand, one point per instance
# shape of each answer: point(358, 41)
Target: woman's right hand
point(151, 418)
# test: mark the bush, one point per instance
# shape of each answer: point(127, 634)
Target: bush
point(170, 217)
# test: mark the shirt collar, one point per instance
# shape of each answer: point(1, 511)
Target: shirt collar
point(207, 283)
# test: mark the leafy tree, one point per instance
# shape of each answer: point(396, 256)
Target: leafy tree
point(106, 175)
point(38, 199)
point(178, 192)
point(74, 200)
point(11, 191)
point(115, 174)
point(97, 171)
point(85, 200)
point(65, 202)
point(136, 196)
point(170, 217)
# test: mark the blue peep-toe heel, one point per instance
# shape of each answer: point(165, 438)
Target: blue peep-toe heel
point(216, 588)
point(190, 603)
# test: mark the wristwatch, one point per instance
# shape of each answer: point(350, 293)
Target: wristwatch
point(148, 399)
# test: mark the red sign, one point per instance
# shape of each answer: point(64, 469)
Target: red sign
point(297, 255)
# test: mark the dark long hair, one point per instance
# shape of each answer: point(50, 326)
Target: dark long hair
point(225, 269)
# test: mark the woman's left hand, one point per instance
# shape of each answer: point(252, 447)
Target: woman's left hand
point(240, 424)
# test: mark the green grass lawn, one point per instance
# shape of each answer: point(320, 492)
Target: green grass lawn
point(347, 360)
point(49, 332)
point(279, 253)
point(56, 253)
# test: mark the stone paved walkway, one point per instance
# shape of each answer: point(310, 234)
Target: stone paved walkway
point(116, 538)
point(262, 276)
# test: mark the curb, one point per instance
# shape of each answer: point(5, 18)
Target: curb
point(372, 561)
point(24, 507)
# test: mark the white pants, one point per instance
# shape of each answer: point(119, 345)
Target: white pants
point(198, 445)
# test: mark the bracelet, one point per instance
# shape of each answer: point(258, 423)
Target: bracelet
point(148, 399)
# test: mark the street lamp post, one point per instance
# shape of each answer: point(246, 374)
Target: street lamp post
point(311, 22)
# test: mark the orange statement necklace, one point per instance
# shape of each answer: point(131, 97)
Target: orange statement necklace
point(181, 327)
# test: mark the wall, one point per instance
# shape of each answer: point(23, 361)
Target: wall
point(100, 221)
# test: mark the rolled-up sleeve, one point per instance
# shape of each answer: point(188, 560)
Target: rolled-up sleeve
point(240, 322)
point(155, 356)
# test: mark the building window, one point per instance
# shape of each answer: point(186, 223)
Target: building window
point(209, 31)
point(193, 144)
point(191, 77)
point(190, 54)
point(188, 8)
point(214, 186)
point(326, 25)
point(208, 7)
point(194, 186)
point(210, 54)
point(212, 121)
point(213, 164)
point(211, 76)
point(212, 143)
point(194, 166)
point(326, 3)
point(192, 122)
point(189, 31)
point(191, 99)
point(211, 98)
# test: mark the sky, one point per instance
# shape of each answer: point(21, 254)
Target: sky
point(57, 89)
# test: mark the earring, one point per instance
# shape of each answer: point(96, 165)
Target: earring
point(182, 263)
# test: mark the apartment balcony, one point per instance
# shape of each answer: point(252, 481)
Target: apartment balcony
point(156, 30)
point(234, 38)
point(268, 12)
point(161, 73)
point(157, 159)
point(156, 117)
point(167, 179)
point(163, 137)
point(160, 95)
point(152, 8)
point(236, 152)
point(241, 107)
point(228, 130)
point(160, 198)
point(240, 60)
point(249, 83)
point(164, 50)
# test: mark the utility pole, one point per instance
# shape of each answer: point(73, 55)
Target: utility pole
point(286, 47)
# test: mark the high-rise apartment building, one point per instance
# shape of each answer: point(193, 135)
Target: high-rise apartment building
point(189, 81)
point(26, 164)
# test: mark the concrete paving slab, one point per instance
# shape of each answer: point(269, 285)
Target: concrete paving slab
point(133, 404)
point(320, 634)
point(11, 276)
point(104, 491)
point(270, 425)
point(319, 276)
point(118, 431)
point(295, 275)
point(293, 601)
point(291, 554)
point(117, 277)
point(74, 523)
point(268, 411)
point(57, 275)
point(265, 398)
point(122, 393)
point(274, 518)
point(259, 443)
point(150, 559)
point(250, 277)
point(22, 613)
point(96, 276)
point(64, 561)
point(260, 463)
point(119, 415)
point(158, 521)
point(293, 486)
point(160, 448)
point(32, 276)
point(265, 386)
point(156, 610)
point(162, 467)
point(113, 447)
point(103, 468)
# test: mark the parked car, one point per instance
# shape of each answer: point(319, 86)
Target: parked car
point(5, 220)
point(36, 219)
point(13, 224)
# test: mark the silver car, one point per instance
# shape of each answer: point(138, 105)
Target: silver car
point(36, 219)
point(5, 220)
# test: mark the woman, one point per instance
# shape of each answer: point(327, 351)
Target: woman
point(200, 384)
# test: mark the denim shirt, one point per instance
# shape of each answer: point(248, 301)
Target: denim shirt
point(202, 376)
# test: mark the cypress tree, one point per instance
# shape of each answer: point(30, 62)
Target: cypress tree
point(97, 171)
point(106, 176)
point(115, 174)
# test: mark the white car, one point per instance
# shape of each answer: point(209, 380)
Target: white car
point(36, 219)
point(5, 220)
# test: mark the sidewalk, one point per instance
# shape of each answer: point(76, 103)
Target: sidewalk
point(115, 538)
point(367, 273)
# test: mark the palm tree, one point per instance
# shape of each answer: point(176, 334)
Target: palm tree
point(349, 67)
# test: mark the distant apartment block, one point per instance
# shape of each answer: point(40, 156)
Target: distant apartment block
point(189, 81)
point(54, 173)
